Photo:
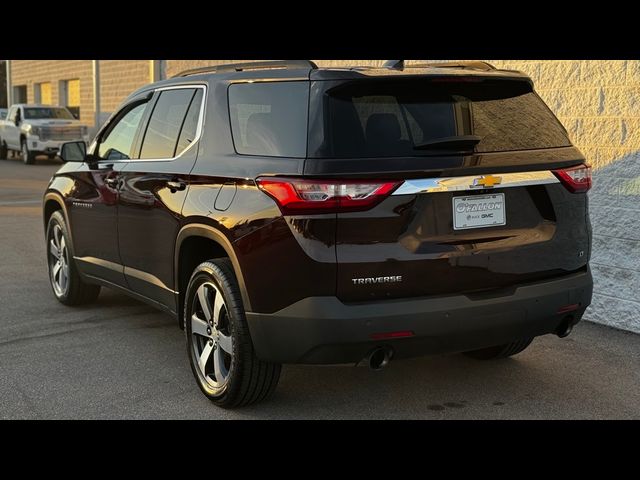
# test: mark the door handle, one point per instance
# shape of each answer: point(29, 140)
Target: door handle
point(113, 182)
point(176, 186)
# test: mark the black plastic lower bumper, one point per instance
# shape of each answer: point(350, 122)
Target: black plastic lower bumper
point(323, 330)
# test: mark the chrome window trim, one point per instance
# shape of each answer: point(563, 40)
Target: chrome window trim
point(466, 183)
point(199, 128)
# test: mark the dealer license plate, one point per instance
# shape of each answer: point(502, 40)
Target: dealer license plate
point(478, 211)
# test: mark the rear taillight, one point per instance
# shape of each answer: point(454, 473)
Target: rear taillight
point(305, 196)
point(576, 179)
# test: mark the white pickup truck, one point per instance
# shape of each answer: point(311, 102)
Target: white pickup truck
point(38, 130)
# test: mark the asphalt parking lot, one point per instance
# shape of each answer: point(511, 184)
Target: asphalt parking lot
point(120, 358)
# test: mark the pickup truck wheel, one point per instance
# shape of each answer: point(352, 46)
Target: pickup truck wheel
point(500, 351)
point(27, 157)
point(218, 341)
point(4, 152)
point(65, 281)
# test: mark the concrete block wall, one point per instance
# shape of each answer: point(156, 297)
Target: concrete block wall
point(599, 104)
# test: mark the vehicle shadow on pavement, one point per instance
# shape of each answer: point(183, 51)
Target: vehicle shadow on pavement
point(449, 386)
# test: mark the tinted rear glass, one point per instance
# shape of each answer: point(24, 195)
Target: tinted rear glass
point(382, 118)
point(270, 119)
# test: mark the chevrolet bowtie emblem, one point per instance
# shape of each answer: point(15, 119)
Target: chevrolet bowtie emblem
point(486, 181)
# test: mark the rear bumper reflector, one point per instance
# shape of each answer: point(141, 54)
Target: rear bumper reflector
point(568, 308)
point(389, 335)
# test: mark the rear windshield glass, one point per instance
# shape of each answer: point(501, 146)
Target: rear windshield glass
point(422, 117)
point(270, 119)
point(57, 113)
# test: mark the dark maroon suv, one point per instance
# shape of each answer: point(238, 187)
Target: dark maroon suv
point(285, 213)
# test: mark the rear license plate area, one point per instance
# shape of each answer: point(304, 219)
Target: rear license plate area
point(479, 211)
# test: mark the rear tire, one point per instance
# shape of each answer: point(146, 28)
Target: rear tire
point(500, 351)
point(28, 157)
point(64, 278)
point(219, 345)
point(4, 152)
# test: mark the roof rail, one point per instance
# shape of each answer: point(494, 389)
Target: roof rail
point(472, 64)
point(240, 67)
point(394, 64)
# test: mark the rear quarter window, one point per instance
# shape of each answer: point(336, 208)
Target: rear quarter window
point(270, 118)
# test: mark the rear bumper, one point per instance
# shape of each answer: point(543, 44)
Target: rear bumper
point(323, 330)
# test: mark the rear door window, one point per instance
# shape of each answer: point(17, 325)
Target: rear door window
point(270, 118)
point(396, 118)
point(166, 123)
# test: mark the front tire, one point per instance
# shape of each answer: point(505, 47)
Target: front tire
point(218, 341)
point(64, 278)
point(28, 157)
point(500, 351)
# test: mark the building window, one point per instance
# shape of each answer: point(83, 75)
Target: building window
point(70, 96)
point(42, 93)
point(20, 94)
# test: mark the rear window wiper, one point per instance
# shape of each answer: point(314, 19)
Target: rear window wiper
point(460, 142)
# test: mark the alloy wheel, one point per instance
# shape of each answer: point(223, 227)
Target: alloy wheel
point(211, 335)
point(58, 261)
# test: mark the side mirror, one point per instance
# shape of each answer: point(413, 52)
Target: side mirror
point(73, 152)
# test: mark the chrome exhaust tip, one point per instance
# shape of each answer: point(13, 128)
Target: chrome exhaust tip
point(565, 327)
point(378, 358)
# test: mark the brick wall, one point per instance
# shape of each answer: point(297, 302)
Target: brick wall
point(30, 72)
point(119, 78)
